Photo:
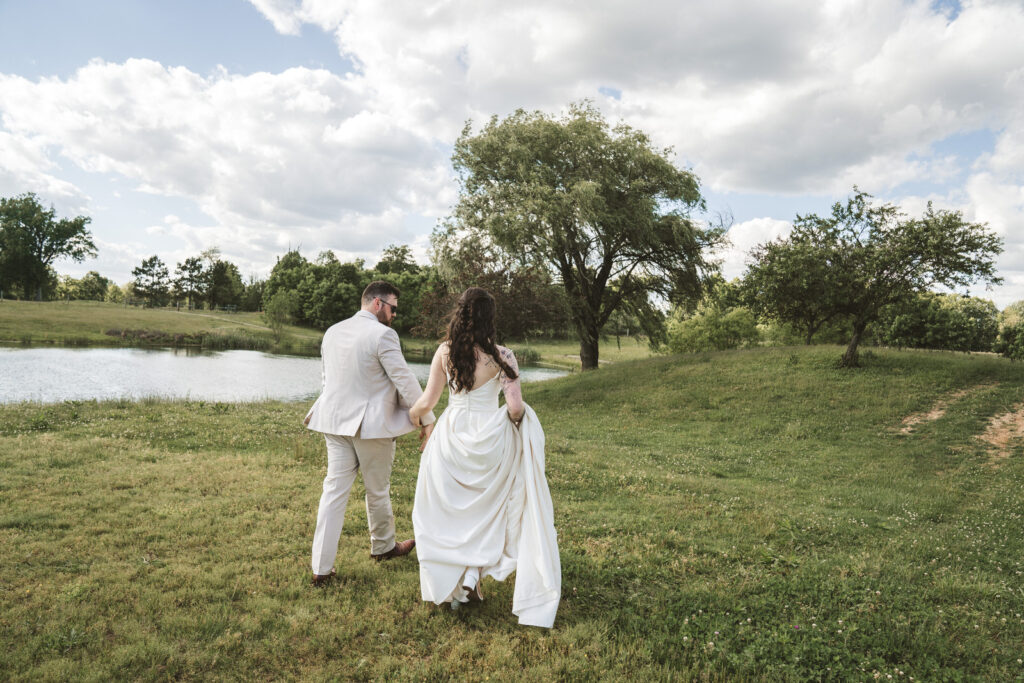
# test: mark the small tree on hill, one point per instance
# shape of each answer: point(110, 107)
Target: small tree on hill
point(877, 257)
point(790, 281)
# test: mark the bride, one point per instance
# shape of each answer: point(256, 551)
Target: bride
point(482, 503)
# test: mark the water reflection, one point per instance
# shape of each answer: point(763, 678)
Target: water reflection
point(61, 374)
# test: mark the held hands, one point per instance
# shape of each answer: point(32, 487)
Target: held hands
point(425, 431)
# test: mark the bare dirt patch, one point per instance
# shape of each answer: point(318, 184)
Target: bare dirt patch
point(939, 409)
point(1002, 431)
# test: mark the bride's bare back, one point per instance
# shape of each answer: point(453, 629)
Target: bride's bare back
point(485, 371)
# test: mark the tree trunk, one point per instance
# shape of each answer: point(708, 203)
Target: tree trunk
point(810, 335)
point(849, 359)
point(588, 349)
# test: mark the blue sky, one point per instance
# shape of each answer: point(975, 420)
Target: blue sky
point(260, 125)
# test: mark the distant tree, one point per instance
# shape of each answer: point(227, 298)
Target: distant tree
point(713, 328)
point(152, 282)
point(92, 287)
point(224, 285)
point(31, 239)
point(287, 273)
point(329, 290)
point(791, 281)
point(115, 294)
point(1010, 342)
point(529, 302)
point(1012, 314)
point(252, 295)
point(66, 289)
point(598, 205)
point(940, 321)
point(718, 322)
point(396, 259)
point(189, 280)
point(281, 310)
point(877, 257)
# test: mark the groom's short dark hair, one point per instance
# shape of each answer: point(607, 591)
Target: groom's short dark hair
point(379, 288)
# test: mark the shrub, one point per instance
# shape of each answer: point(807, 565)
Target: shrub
point(1010, 341)
point(713, 329)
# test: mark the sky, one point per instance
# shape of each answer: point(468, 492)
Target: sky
point(257, 126)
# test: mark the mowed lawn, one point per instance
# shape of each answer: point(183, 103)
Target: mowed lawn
point(87, 322)
point(743, 515)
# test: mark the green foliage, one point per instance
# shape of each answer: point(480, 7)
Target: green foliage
point(1010, 342)
point(151, 281)
point(597, 205)
point(223, 285)
point(114, 295)
point(91, 287)
point(252, 295)
point(530, 305)
point(396, 258)
point(713, 328)
point(864, 258)
point(940, 321)
point(1012, 314)
point(281, 310)
point(31, 239)
point(287, 273)
point(188, 280)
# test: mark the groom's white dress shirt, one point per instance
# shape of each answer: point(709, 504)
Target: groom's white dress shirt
point(367, 386)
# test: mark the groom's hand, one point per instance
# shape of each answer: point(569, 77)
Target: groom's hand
point(425, 431)
point(305, 421)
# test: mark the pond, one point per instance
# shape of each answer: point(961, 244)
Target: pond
point(49, 375)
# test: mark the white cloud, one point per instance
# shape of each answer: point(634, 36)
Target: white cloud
point(26, 167)
point(785, 97)
point(745, 236)
point(261, 154)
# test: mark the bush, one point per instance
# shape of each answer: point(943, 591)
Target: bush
point(941, 321)
point(1010, 341)
point(713, 329)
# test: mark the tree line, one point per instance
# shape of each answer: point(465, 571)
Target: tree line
point(583, 228)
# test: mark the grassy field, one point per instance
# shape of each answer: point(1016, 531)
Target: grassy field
point(744, 515)
point(87, 323)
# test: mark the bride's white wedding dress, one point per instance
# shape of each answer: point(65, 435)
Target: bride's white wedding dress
point(483, 507)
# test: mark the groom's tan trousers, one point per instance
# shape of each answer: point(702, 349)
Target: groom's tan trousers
point(346, 456)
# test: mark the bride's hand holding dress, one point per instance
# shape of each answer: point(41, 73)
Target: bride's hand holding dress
point(482, 505)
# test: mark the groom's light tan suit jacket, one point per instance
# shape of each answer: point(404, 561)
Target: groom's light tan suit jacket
point(368, 387)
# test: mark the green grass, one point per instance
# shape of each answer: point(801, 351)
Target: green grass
point(761, 500)
point(90, 323)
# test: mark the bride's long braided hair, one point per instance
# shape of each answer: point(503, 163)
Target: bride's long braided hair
point(471, 325)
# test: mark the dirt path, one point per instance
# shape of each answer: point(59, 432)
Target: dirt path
point(940, 407)
point(1002, 431)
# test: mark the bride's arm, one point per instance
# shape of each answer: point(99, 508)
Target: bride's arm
point(435, 387)
point(512, 389)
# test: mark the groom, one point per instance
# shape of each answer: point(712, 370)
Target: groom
point(367, 391)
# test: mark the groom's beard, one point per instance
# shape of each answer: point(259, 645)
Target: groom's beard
point(382, 318)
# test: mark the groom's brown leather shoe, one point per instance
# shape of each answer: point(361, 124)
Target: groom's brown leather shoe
point(320, 580)
point(403, 548)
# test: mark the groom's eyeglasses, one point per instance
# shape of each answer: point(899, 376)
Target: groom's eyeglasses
point(393, 307)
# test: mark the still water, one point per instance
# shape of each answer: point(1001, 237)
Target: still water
point(49, 375)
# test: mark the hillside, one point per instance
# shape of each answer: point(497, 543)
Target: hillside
point(755, 514)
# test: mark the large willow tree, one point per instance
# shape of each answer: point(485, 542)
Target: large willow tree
point(599, 205)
